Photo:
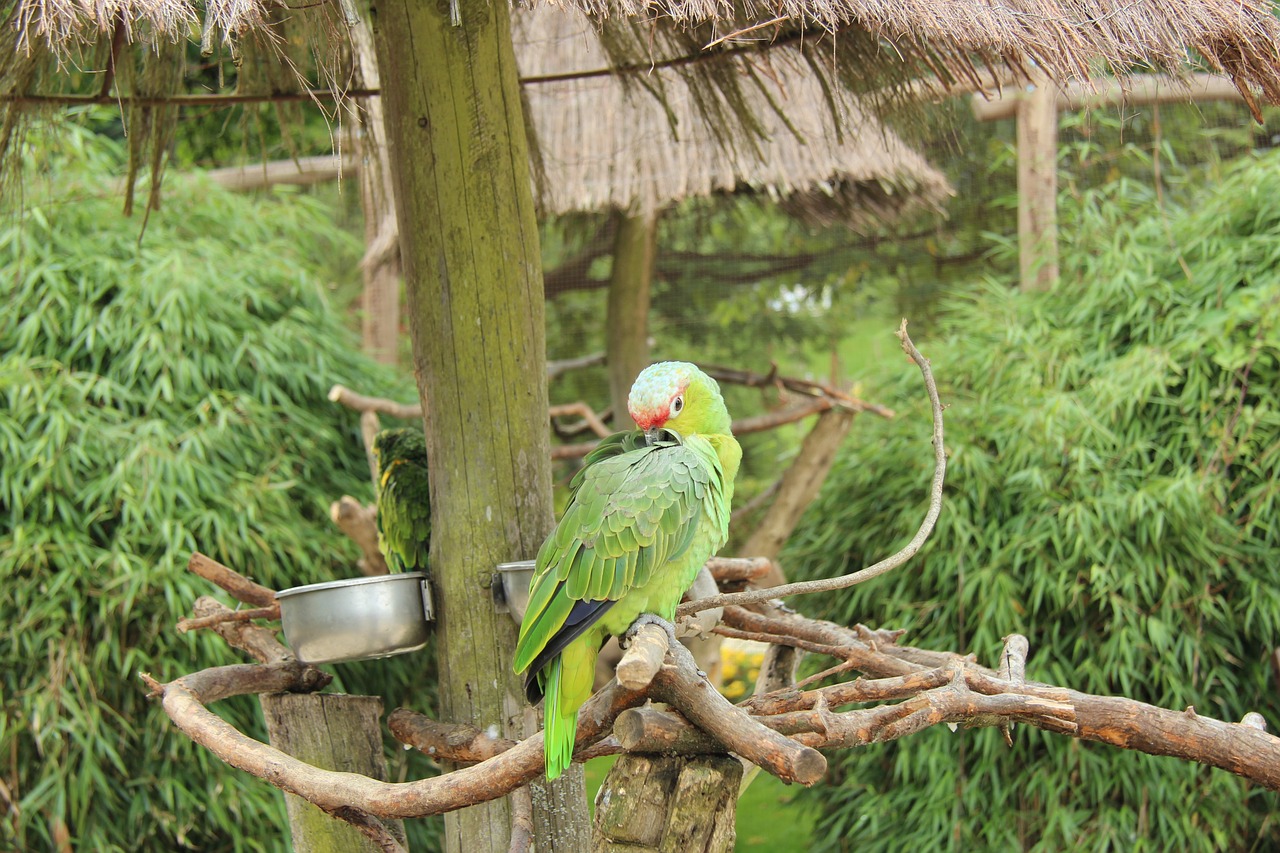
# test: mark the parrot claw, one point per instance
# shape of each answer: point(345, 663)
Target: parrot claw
point(649, 619)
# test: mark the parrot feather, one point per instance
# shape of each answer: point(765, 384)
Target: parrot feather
point(647, 509)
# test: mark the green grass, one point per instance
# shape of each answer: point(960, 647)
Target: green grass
point(768, 819)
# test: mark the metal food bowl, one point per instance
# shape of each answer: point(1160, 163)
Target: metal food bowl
point(356, 619)
point(516, 578)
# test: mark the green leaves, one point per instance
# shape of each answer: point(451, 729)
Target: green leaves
point(157, 396)
point(1115, 450)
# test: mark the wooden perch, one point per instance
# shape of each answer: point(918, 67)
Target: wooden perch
point(187, 624)
point(1126, 723)
point(643, 657)
point(258, 642)
point(651, 730)
point(727, 570)
point(346, 397)
point(682, 686)
point(447, 741)
point(359, 522)
point(240, 587)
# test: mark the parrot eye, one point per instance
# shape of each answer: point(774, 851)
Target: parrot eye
point(677, 406)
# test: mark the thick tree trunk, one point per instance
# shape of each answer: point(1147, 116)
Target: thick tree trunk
point(474, 284)
point(335, 732)
point(668, 804)
point(627, 319)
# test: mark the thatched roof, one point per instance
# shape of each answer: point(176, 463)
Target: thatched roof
point(604, 144)
point(133, 50)
point(1068, 39)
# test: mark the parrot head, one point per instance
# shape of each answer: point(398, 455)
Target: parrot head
point(399, 445)
point(676, 395)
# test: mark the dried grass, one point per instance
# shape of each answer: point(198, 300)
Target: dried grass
point(608, 142)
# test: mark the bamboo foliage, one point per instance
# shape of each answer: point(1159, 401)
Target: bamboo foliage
point(154, 397)
point(1115, 453)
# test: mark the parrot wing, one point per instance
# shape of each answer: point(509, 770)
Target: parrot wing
point(634, 507)
point(404, 516)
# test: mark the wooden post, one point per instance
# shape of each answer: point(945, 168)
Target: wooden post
point(333, 732)
point(627, 316)
point(800, 485)
point(380, 268)
point(473, 278)
point(668, 804)
point(1038, 187)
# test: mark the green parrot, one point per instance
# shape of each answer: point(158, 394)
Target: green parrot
point(404, 501)
point(647, 510)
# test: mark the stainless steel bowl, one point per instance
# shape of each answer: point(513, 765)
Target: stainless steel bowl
point(515, 586)
point(356, 619)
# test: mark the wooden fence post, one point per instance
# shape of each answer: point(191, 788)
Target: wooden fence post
point(1038, 187)
point(333, 731)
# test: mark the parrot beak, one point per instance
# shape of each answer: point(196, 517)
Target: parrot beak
point(651, 435)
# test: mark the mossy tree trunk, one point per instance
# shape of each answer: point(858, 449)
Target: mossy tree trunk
point(475, 307)
point(627, 315)
point(337, 732)
point(668, 804)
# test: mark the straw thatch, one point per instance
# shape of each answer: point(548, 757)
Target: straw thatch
point(133, 51)
point(602, 144)
point(1067, 39)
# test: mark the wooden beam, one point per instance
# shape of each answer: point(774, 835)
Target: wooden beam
point(1038, 187)
point(1130, 91)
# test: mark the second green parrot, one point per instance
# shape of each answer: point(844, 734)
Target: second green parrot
point(646, 512)
point(404, 499)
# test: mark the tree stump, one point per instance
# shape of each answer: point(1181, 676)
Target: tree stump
point(335, 732)
point(668, 804)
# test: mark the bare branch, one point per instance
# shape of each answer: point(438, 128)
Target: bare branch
point(643, 657)
point(521, 820)
point(885, 565)
point(447, 741)
point(240, 587)
point(184, 700)
point(360, 523)
point(806, 387)
point(185, 625)
point(583, 411)
point(257, 641)
point(682, 686)
point(739, 569)
point(556, 369)
point(345, 396)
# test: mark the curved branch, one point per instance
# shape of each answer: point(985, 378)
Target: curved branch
point(889, 563)
point(184, 700)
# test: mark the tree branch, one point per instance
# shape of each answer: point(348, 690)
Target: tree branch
point(359, 522)
point(240, 587)
point(885, 565)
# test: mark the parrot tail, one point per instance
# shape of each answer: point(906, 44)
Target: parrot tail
point(569, 679)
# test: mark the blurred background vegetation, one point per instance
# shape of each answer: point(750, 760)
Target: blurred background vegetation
point(1112, 491)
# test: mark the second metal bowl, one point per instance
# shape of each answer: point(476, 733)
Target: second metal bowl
point(356, 619)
